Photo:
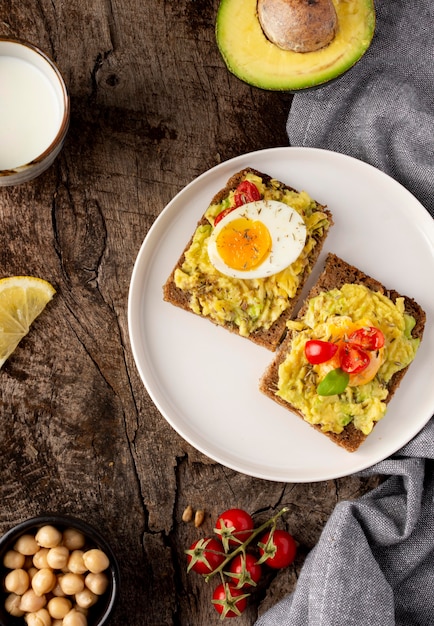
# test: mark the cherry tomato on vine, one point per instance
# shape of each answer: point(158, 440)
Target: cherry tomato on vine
point(352, 359)
point(228, 600)
point(246, 192)
point(367, 338)
point(317, 351)
point(205, 555)
point(244, 570)
point(277, 549)
point(234, 526)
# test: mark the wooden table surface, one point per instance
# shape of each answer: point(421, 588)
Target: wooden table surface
point(152, 107)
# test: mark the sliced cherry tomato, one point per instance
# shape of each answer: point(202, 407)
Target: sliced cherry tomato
point(277, 549)
point(234, 526)
point(228, 600)
point(205, 555)
point(352, 359)
point(244, 570)
point(223, 214)
point(319, 351)
point(246, 192)
point(367, 338)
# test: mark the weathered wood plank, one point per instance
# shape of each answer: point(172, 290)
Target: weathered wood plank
point(153, 106)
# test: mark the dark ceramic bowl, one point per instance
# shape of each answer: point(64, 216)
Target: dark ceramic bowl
point(98, 614)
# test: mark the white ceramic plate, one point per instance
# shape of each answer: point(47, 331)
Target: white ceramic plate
point(204, 380)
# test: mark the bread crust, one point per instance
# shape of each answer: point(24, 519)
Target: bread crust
point(335, 274)
point(272, 337)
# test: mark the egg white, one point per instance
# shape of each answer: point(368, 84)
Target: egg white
point(287, 230)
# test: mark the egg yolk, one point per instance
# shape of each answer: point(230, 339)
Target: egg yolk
point(243, 244)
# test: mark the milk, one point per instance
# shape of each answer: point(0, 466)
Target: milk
point(30, 112)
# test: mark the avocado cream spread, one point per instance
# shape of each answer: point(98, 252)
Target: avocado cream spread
point(250, 304)
point(362, 404)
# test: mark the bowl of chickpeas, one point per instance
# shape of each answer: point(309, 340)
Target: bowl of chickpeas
point(56, 570)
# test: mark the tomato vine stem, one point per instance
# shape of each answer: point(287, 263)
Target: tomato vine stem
point(242, 547)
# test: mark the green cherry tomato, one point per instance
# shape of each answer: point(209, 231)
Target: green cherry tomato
point(334, 383)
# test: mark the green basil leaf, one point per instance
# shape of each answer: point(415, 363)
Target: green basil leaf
point(334, 383)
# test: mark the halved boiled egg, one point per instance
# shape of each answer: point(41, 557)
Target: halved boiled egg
point(257, 240)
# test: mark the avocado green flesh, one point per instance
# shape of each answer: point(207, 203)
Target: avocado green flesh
point(251, 57)
point(362, 404)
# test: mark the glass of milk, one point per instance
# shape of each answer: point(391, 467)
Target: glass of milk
point(34, 111)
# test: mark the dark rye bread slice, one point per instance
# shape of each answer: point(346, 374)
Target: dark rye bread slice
point(336, 273)
point(268, 338)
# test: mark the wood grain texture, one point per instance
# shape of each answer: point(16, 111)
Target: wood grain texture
point(153, 106)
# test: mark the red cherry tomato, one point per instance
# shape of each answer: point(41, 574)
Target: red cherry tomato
point(205, 555)
point(234, 526)
point(246, 192)
point(352, 359)
point(223, 214)
point(244, 570)
point(228, 600)
point(319, 351)
point(279, 550)
point(368, 338)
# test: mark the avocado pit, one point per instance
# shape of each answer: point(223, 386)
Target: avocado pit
point(298, 25)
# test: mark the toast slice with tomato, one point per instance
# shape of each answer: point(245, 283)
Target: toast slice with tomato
point(334, 348)
point(233, 303)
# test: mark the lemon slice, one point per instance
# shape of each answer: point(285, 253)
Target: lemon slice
point(22, 299)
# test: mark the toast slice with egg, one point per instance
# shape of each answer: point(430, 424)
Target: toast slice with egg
point(291, 380)
point(256, 308)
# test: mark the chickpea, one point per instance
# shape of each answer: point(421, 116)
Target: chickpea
point(76, 563)
point(57, 557)
point(27, 545)
point(12, 605)
point(74, 618)
point(44, 581)
point(97, 583)
point(96, 560)
point(40, 618)
point(31, 572)
point(86, 598)
point(57, 590)
point(13, 559)
point(30, 602)
point(59, 607)
point(57, 622)
point(73, 539)
point(48, 537)
point(28, 563)
point(17, 581)
point(71, 584)
point(40, 558)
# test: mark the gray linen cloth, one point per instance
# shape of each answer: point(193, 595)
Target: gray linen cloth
point(374, 562)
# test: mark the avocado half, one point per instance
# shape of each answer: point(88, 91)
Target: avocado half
point(257, 61)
